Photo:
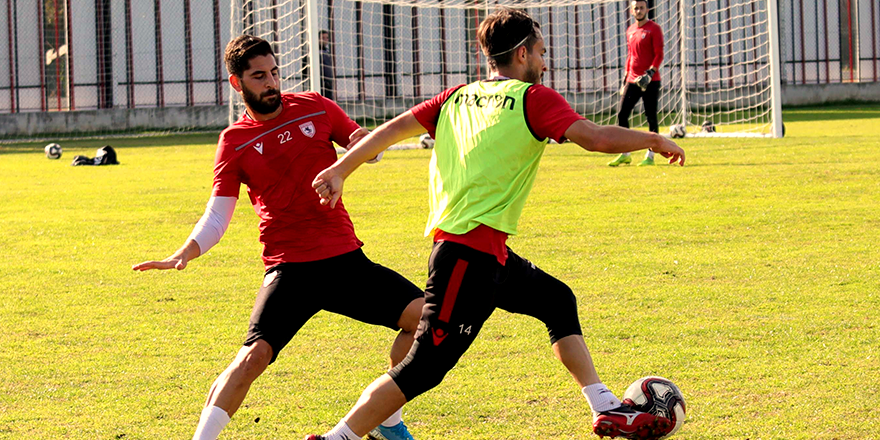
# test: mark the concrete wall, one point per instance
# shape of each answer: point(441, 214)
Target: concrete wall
point(36, 124)
point(814, 94)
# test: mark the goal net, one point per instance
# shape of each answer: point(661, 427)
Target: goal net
point(379, 58)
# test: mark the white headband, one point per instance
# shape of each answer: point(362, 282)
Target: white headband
point(512, 48)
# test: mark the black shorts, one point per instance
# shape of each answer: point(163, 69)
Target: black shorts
point(348, 284)
point(465, 286)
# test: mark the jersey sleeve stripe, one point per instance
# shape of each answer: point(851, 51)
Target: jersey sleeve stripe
point(278, 127)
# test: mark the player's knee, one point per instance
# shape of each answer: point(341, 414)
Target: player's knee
point(409, 319)
point(564, 322)
point(420, 372)
point(568, 298)
point(254, 359)
point(559, 297)
point(431, 380)
point(421, 382)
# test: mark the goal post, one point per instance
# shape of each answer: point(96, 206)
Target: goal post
point(721, 63)
point(775, 69)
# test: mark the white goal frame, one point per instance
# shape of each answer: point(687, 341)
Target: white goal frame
point(711, 46)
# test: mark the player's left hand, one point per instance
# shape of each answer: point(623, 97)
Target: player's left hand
point(645, 79)
point(356, 136)
point(328, 184)
point(670, 150)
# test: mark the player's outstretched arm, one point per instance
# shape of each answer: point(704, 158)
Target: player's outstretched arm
point(328, 183)
point(614, 140)
point(208, 231)
point(178, 260)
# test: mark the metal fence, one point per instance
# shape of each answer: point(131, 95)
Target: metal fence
point(63, 55)
point(829, 41)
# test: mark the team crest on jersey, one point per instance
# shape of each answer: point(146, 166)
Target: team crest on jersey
point(308, 129)
point(259, 147)
point(644, 34)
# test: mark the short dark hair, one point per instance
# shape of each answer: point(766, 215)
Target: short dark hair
point(324, 32)
point(242, 49)
point(505, 30)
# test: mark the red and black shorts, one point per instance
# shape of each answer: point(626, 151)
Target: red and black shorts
point(464, 288)
point(348, 284)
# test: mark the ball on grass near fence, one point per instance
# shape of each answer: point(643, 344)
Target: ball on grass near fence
point(53, 151)
point(677, 131)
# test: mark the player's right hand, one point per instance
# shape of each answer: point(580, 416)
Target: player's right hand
point(168, 263)
point(670, 150)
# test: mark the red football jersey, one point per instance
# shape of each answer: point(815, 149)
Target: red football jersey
point(644, 49)
point(277, 160)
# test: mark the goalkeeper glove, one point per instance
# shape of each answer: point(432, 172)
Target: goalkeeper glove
point(645, 79)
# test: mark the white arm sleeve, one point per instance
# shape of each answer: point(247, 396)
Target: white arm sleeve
point(377, 158)
point(214, 222)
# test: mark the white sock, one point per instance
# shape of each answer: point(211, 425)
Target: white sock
point(395, 418)
point(211, 422)
point(341, 432)
point(600, 397)
point(624, 154)
point(649, 155)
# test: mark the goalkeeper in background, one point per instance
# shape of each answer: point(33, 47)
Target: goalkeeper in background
point(644, 42)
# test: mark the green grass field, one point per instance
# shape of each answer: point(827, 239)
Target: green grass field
point(750, 277)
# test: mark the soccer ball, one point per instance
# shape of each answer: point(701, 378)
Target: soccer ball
point(53, 151)
point(657, 396)
point(677, 131)
point(426, 141)
point(708, 126)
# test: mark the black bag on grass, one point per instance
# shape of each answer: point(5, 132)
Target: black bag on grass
point(105, 155)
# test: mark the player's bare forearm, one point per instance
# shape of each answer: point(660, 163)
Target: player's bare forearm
point(613, 139)
point(189, 251)
point(329, 183)
point(388, 134)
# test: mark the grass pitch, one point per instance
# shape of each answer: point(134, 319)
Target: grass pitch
point(750, 277)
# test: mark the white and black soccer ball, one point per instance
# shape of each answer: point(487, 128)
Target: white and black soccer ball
point(53, 151)
point(677, 131)
point(708, 126)
point(659, 396)
point(426, 141)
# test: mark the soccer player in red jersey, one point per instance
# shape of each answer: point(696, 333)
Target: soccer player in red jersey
point(490, 136)
point(276, 148)
point(644, 42)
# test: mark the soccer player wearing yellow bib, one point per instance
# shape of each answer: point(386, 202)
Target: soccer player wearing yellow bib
point(490, 136)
